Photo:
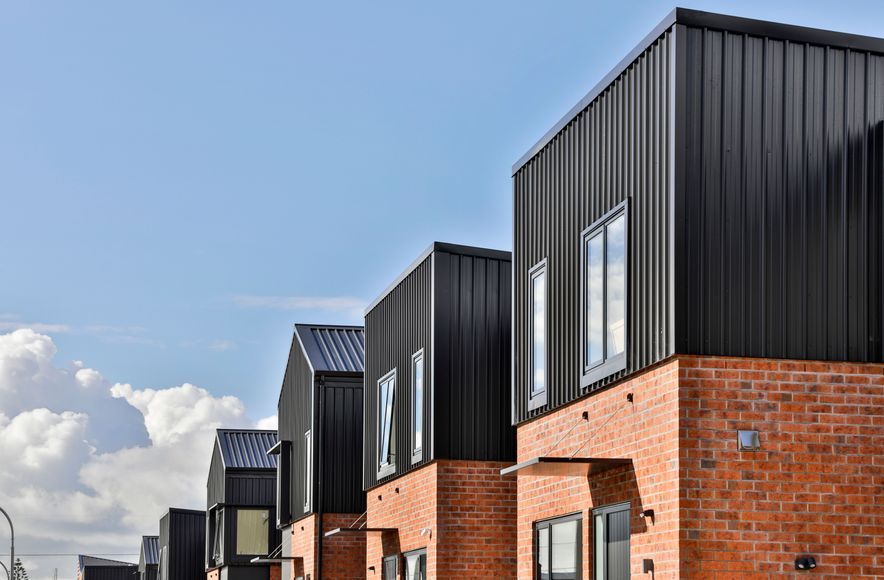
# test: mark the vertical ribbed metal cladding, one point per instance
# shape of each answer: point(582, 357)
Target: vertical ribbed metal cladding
point(472, 326)
point(396, 328)
point(617, 148)
point(183, 537)
point(782, 209)
point(341, 424)
point(295, 417)
point(250, 488)
point(215, 483)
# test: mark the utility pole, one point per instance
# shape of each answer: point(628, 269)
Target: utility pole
point(11, 571)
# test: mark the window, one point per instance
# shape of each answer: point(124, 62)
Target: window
point(283, 477)
point(537, 298)
point(308, 471)
point(557, 548)
point(417, 406)
point(218, 537)
point(386, 424)
point(610, 541)
point(390, 568)
point(416, 565)
point(163, 568)
point(252, 532)
point(604, 296)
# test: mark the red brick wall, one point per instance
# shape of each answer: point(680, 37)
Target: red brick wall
point(468, 508)
point(275, 572)
point(343, 557)
point(815, 487)
point(646, 431)
point(214, 574)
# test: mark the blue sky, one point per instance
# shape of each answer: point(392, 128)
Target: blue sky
point(158, 160)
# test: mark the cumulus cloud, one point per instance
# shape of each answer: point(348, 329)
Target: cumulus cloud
point(270, 422)
point(77, 486)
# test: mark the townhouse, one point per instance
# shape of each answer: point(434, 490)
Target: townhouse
point(319, 453)
point(240, 506)
point(698, 249)
point(148, 558)
point(437, 426)
point(182, 544)
point(94, 568)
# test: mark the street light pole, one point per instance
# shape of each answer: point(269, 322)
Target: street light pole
point(11, 570)
point(8, 577)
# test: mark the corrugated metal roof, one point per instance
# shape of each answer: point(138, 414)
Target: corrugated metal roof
point(85, 560)
point(150, 547)
point(333, 348)
point(247, 448)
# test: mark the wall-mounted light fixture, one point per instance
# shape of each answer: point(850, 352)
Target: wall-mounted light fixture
point(648, 513)
point(748, 440)
point(426, 532)
point(805, 563)
point(648, 566)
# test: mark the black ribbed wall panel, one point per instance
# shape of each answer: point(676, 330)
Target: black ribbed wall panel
point(295, 417)
point(182, 545)
point(215, 482)
point(397, 327)
point(782, 253)
point(341, 439)
point(617, 148)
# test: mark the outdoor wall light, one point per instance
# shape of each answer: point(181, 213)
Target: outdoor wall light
point(748, 440)
point(805, 563)
point(648, 513)
point(648, 566)
point(426, 532)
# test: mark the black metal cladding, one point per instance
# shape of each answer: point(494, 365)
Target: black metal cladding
point(752, 154)
point(337, 433)
point(617, 148)
point(182, 545)
point(148, 558)
point(782, 251)
point(454, 303)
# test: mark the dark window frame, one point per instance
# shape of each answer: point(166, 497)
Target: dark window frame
point(605, 511)
point(395, 560)
point(548, 523)
point(417, 447)
point(283, 484)
point(594, 371)
point(418, 552)
point(388, 468)
point(269, 536)
point(537, 399)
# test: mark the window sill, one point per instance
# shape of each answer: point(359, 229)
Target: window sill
point(416, 456)
point(537, 401)
point(386, 470)
point(603, 371)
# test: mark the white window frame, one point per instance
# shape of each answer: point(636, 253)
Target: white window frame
point(308, 470)
point(417, 442)
point(594, 371)
point(387, 465)
point(537, 398)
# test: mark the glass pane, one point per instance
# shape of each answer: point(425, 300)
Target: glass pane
point(595, 299)
point(598, 550)
point(418, 402)
point(415, 567)
point(616, 281)
point(390, 570)
point(385, 408)
point(538, 293)
point(218, 544)
point(308, 469)
point(543, 553)
point(564, 550)
point(252, 532)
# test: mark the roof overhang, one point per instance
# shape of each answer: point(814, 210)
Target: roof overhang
point(354, 531)
point(565, 466)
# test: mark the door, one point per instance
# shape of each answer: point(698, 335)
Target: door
point(611, 542)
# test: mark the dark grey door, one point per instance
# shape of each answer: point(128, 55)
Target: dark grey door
point(391, 568)
point(611, 542)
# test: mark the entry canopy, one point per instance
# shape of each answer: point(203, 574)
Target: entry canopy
point(275, 559)
point(565, 466)
point(344, 531)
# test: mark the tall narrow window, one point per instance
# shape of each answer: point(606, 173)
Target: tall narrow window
point(390, 568)
point(417, 406)
point(386, 424)
point(283, 480)
point(557, 548)
point(604, 296)
point(610, 543)
point(308, 471)
point(218, 537)
point(537, 298)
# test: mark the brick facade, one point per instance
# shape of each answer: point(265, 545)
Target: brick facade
point(467, 513)
point(816, 486)
point(213, 574)
point(343, 557)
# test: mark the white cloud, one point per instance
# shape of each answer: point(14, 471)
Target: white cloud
point(327, 303)
point(270, 422)
point(222, 345)
point(77, 481)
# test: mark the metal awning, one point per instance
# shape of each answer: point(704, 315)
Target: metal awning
point(565, 466)
point(343, 531)
point(275, 559)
